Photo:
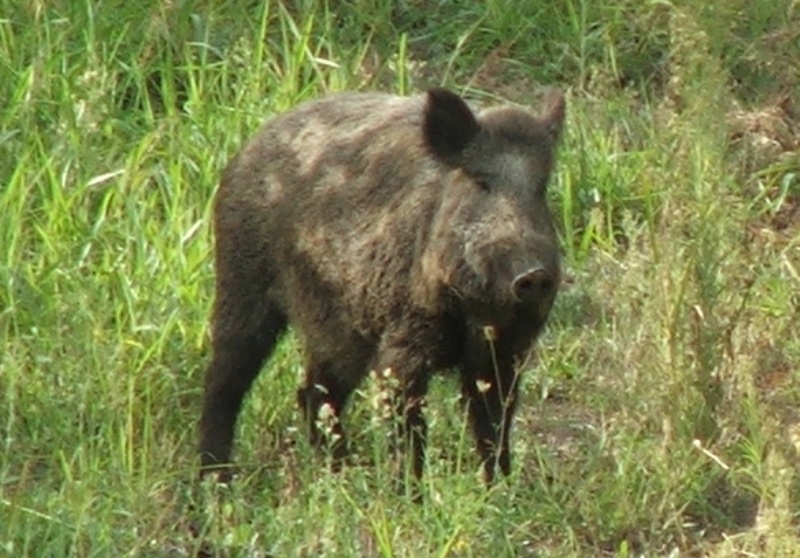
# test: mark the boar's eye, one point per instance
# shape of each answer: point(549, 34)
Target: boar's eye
point(483, 184)
point(482, 180)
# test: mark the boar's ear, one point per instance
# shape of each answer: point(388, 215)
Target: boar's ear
point(449, 124)
point(553, 113)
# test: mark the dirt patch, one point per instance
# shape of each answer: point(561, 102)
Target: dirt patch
point(766, 142)
point(771, 131)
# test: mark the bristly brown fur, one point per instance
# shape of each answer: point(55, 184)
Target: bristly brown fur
point(390, 232)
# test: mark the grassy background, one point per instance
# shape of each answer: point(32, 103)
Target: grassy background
point(663, 414)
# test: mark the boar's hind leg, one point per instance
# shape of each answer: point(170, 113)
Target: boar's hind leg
point(491, 398)
point(243, 338)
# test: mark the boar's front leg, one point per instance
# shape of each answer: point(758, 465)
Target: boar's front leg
point(490, 391)
point(404, 363)
point(412, 429)
point(324, 394)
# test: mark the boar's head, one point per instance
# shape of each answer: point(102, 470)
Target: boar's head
point(493, 245)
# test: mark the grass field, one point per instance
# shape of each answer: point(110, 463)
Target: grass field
point(662, 417)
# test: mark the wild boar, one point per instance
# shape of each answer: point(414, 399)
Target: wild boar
point(408, 234)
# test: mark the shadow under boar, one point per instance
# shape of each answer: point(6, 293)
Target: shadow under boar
point(406, 234)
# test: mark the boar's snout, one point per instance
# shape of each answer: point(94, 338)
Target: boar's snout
point(533, 284)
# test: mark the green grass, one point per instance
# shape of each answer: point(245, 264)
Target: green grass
point(662, 416)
